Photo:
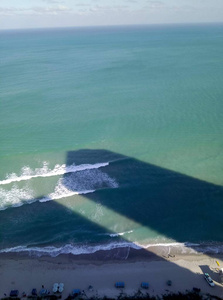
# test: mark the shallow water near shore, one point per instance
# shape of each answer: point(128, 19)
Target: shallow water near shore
point(111, 138)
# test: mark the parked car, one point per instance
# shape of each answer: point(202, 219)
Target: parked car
point(208, 279)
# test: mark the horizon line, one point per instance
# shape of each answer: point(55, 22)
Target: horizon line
point(114, 25)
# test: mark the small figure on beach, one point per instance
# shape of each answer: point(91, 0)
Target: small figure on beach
point(90, 288)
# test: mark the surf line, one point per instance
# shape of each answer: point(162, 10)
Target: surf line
point(46, 172)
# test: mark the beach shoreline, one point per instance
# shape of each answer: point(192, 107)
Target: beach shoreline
point(23, 272)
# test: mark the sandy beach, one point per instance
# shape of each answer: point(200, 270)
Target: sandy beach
point(185, 271)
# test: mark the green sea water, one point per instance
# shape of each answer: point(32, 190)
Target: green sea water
point(139, 109)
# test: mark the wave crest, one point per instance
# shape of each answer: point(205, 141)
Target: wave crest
point(77, 180)
point(68, 249)
point(27, 173)
point(15, 197)
point(54, 251)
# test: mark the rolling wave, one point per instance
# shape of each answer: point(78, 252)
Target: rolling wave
point(81, 180)
point(54, 196)
point(17, 197)
point(68, 249)
point(84, 249)
point(27, 173)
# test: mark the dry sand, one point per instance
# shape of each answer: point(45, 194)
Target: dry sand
point(185, 271)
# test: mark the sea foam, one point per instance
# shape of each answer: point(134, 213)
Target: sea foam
point(54, 251)
point(68, 249)
point(27, 173)
point(15, 197)
point(119, 233)
point(77, 180)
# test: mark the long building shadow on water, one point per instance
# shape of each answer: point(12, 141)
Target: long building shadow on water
point(46, 215)
point(179, 207)
point(131, 198)
point(134, 195)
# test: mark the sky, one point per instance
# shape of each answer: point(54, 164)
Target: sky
point(15, 14)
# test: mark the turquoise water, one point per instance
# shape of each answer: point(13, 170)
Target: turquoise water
point(111, 136)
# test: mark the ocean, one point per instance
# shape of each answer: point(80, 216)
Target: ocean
point(111, 138)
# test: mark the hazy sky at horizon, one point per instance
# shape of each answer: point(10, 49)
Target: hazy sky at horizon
point(63, 13)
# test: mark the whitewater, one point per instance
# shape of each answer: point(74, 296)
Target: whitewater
point(27, 173)
point(111, 137)
point(65, 187)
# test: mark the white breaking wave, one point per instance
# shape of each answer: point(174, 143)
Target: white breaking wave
point(27, 173)
point(15, 197)
point(82, 183)
point(68, 193)
point(83, 249)
point(81, 180)
point(119, 233)
point(68, 249)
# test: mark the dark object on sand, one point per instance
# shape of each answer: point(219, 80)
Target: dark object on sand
point(76, 292)
point(14, 293)
point(169, 282)
point(120, 284)
point(90, 288)
point(34, 292)
point(145, 285)
point(51, 297)
point(43, 292)
point(196, 290)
